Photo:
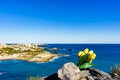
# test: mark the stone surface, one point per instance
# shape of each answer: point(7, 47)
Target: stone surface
point(90, 78)
point(116, 76)
point(100, 75)
point(84, 73)
point(69, 72)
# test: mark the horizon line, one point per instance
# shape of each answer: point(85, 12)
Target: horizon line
point(58, 43)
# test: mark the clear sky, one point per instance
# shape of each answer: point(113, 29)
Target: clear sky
point(60, 21)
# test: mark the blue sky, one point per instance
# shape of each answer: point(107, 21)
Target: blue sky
point(60, 21)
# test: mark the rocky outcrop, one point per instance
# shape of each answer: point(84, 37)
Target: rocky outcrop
point(55, 49)
point(51, 77)
point(70, 71)
point(99, 75)
point(115, 76)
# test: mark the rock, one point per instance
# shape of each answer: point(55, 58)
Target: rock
point(70, 50)
point(43, 78)
point(83, 79)
point(99, 75)
point(84, 73)
point(55, 49)
point(116, 76)
point(70, 71)
point(90, 78)
point(52, 77)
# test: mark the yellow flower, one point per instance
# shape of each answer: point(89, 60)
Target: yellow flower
point(89, 59)
point(92, 56)
point(86, 50)
point(81, 53)
point(90, 52)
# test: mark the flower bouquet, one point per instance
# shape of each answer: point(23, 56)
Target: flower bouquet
point(85, 58)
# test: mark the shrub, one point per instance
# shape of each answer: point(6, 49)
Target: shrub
point(116, 69)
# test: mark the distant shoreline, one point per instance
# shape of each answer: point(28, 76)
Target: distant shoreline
point(39, 57)
point(29, 52)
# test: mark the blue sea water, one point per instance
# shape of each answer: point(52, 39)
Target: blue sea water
point(107, 56)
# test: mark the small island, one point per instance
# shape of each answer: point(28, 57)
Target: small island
point(29, 52)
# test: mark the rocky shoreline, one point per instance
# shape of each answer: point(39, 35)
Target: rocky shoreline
point(28, 52)
point(70, 71)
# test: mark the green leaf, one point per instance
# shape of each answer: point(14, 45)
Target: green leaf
point(82, 59)
point(85, 65)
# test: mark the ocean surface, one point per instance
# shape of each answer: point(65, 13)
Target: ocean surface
point(107, 56)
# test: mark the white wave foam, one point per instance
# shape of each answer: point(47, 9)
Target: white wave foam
point(49, 60)
point(67, 55)
point(54, 58)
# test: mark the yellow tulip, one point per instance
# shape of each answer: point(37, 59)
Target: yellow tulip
point(89, 59)
point(92, 56)
point(86, 50)
point(90, 52)
point(81, 53)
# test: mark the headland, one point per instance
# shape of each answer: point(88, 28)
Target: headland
point(29, 52)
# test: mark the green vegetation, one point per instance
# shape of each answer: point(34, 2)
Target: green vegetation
point(9, 50)
point(116, 69)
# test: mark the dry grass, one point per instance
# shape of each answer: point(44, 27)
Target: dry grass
point(116, 69)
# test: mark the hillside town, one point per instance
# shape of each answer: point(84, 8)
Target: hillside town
point(21, 47)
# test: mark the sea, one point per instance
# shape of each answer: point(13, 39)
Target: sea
point(108, 55)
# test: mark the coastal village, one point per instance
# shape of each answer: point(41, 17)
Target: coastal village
point(29, 52)
point(21, 47)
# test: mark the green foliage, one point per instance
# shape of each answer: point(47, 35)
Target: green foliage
point(7, 50)
point(85, 65)
point(116, 69)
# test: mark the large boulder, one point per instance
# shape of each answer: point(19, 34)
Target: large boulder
point(70, 71)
